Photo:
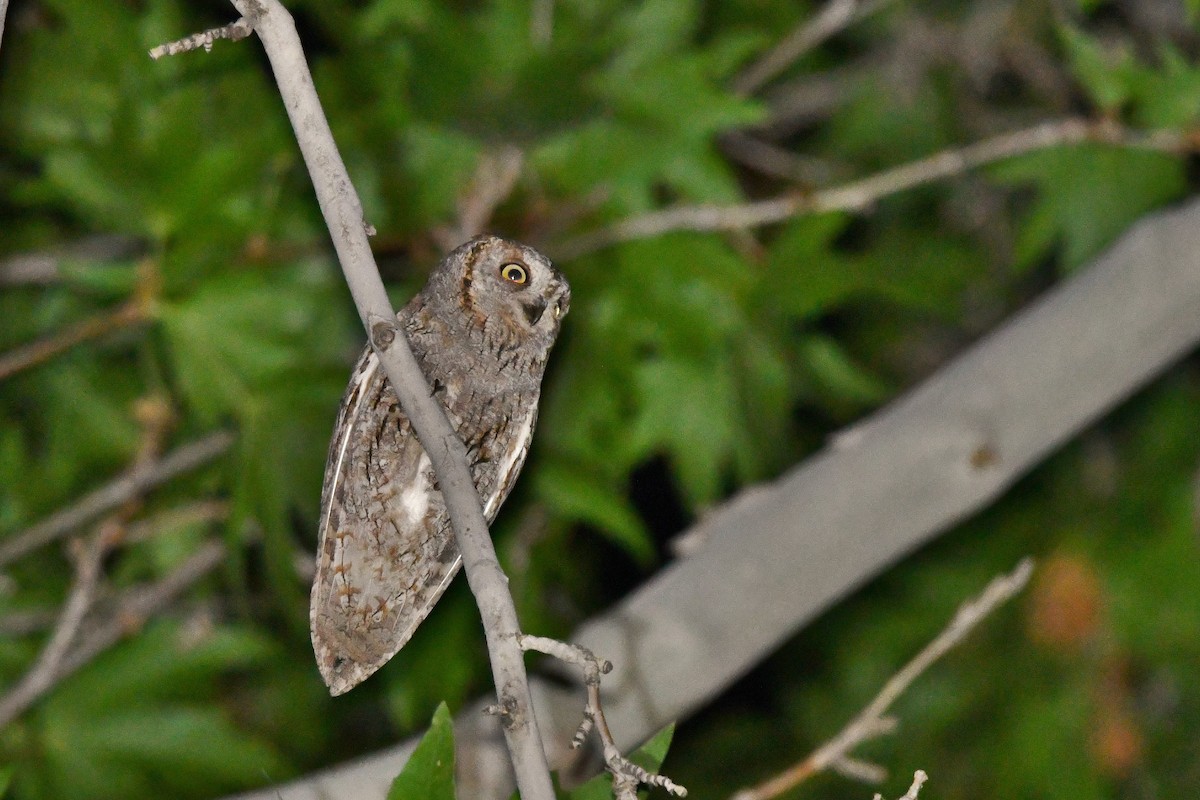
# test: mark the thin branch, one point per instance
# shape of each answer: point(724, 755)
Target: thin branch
point(44, 672)
point(626, 775)
point(919, 778)
point(860, 194)
point(22, 623)
point(130, 484)
point(234, 31)
point(494, 179)
point(833, 18)
point(349, 230)
point(139, 604)
point(871, 722)
point(135, 606)
point(41, 350)
point(126, 617)
point(44, 268)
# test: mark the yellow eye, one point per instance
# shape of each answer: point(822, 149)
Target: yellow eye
point(514, 273)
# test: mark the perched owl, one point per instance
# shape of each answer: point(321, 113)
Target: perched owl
point(481, 330)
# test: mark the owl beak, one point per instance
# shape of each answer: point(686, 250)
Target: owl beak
point(534, 310)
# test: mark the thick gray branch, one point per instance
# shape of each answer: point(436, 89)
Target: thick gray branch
point(776, 556)
point(344, 216)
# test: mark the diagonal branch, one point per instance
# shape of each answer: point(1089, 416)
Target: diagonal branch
point(871, 721)
point(860, 194)
point(128, 485)
point(45, 670)
point(41, 350)
point(344, 216)
point(832, 19)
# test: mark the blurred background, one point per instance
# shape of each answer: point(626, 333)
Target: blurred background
point(166, 283)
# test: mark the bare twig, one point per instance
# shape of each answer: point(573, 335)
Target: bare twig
point(919, 778)
point(36, 352)
point(871, 721)
point(833, 18)
point(233, 32)
point(44, 673)
point(127, 615)
point(771, 159)
point(860, 194)
point(139, 604)
point(20, 623)
point(132, 483)
point(493, 181)
point(626, 775)
point(43, 268)
point(344, 216)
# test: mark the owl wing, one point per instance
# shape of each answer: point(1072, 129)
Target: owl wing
point(387, 551)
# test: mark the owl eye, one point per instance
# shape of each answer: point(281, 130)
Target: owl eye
point(514, 273)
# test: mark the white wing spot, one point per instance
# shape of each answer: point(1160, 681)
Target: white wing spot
point(415, 497)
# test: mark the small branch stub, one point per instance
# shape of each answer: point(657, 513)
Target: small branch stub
point(204, 40)
point(383, 333)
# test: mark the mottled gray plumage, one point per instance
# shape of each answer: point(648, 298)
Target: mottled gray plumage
point(481, 330)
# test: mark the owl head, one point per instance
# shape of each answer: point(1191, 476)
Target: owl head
point(508, 291)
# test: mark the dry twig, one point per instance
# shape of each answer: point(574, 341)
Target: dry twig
point(860, 194)
point(88, 557)
point(871, 721)
point(233, 32)
point(41, 350)
point(919, 778)
point(43, 268)
point(135, 481)
point(493, 181)
point(831, 20)
point(626, 775)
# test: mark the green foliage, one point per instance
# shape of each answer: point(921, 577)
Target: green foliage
point(692, 365)
point(1087, 195)
point(429, 773)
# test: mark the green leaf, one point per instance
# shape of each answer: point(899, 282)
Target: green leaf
point(689, 410)
point(576, 494)
point(1087, 195)
point(837, 374)
point(805, 276)
point(1167, 96)
point(429, 773)
point(1106, 72)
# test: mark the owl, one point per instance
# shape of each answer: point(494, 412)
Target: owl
point(481, 330)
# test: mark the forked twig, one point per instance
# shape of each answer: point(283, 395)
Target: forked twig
point(871, 721)
point(626, 775)
point(88, 557)
point(135, 481)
